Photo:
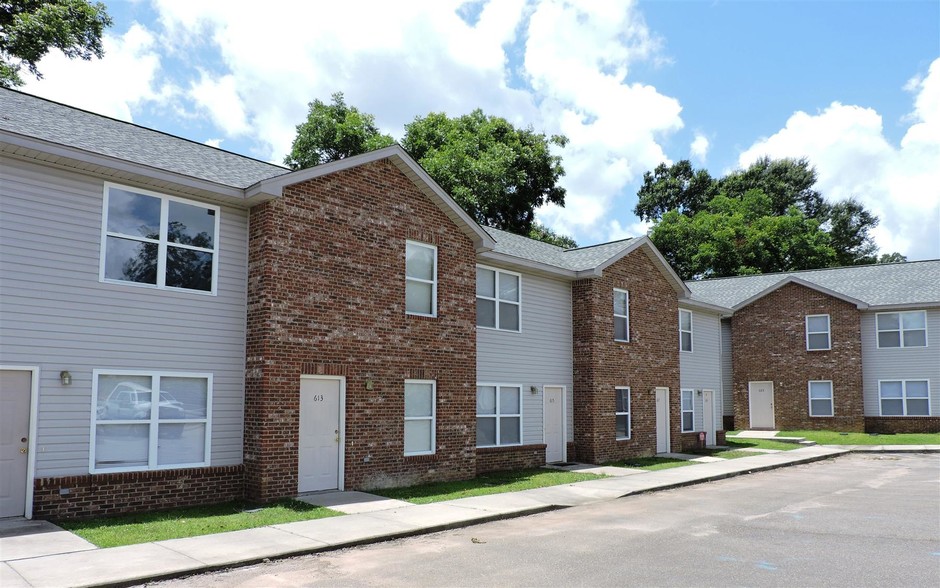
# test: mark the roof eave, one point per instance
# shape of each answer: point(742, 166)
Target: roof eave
point(520, 263)
point(722, 310)
point(904, 306)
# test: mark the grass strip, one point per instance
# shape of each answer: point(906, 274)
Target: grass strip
point(192, 522)
point(839, 438)
point(652, 463)
point(491, 483)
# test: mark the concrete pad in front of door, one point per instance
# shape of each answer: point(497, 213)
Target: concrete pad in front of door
point(352, 502)
point(23, 538)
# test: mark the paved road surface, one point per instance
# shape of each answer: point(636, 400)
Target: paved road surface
point(859, 520)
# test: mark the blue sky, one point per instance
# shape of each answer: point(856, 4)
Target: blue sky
point(853, 86)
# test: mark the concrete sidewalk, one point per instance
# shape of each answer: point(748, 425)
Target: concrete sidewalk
point(374, 520)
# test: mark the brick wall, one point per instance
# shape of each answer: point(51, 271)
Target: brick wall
point(97, 495)
point(494, 459)
point(650, 359)
point(768, 342)
point(892, 425)
point(326, 294)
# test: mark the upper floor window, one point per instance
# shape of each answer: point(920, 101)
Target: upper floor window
point(499, 415)
point(159, 241)
point(420, 279)
point(902, 329)
point(622, 412)
point(621, 315)
point(419, 417)
point(817, 332)
point(820, 398)
point(685, 330)
point(498, 299)
point(904, 398)
point(687, 407)
point(145, 420)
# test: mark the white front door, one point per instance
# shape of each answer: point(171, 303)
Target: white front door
point(319, 448)
point(15, 388)
point(708, 415)
point(662, 420)
point(761, 402)
point(554, 401)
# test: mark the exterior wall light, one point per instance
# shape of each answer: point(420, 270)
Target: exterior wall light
point(65, 377)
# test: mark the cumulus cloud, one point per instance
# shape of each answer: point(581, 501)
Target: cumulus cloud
point(899, 183)
point(113, 86)
point(698, 150)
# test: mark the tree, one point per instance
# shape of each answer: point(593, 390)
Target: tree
point(766, 218)
point(30, 28)
point(332, 132)
point(540, 232)
point(497, 173)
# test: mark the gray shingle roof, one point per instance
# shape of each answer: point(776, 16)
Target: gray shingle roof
point(916, 282)
point(64, 125)
point(582, 258)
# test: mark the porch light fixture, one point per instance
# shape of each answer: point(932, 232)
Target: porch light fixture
point(65, 377)
point(534, 389)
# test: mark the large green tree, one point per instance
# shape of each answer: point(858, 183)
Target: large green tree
point(766, 218)
point(334, 131)
point(30, 28)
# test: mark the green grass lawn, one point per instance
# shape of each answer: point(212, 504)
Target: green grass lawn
point(761, 444)
point(491, 483)
point(652, 463)
point(191, 522)
point(836, 438)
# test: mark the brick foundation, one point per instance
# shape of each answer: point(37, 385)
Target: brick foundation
point(494, 459)
point(97, 495)
point(892, 425)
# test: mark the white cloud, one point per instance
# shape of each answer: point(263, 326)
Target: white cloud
point(218, 97)
point(901, 184)
point(112, 86)
point(212, 142)
point(698, 150)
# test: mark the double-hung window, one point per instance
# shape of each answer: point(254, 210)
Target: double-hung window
point(904, 397)
point(499, 415)
point(621, 315)
point(159, 241)
point(622, 412)
point(150, 420)
point(820, 398)
point(419, 417)
point(420, 279)
point(688, 410)
point(901, 329)
point(498, 299)
point(685, 330)
point(818, 337)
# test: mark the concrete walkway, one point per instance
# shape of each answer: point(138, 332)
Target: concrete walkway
point(29, 559)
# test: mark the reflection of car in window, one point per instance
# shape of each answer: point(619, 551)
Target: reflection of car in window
point(132, 401)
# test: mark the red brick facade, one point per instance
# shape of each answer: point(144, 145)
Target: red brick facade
point(768, 341)
point(649, 360)
point(894, 425)
point(326, 294)
point(98, 495)
point(494, 459)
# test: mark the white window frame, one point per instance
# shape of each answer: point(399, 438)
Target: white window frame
point(809, 398)
point(689, 331)
point(904, 398)
point(433, 282)
point(683, 410)
point(154, 421)
point(497, 415)
point(432, 418)
point(619, 390)
point(828, 332)
point(626, 317)
point(900, 330)
point(497, 300)
point(162, 243)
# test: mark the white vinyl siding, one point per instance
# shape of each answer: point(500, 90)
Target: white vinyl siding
point(621, 315)
point(727, 370)
point(57, 314)
point(687, 408)
point(539, 355)
point(420, 279)
point(499, 299)
point(901, 329)
point(904, 397)
point(420, 417)
point(818, 337)
point(701, 369)
point(499, 415)
point(685, 331)
point(899, 363)
point(622, 411)
point(820, 398)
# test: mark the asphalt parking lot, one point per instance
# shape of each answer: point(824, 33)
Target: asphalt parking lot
point(858, 520)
